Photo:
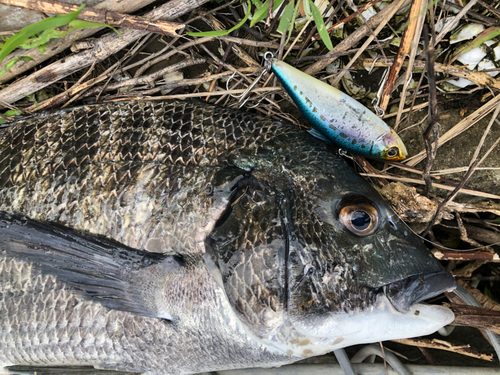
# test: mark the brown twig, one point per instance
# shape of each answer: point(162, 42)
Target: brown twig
point(494, 11)
point(404, 50)
point(349, 18)
point(56, 46)
point(478, 317)
point(357, 35)
point(146, 80)
point(313, 31)
point(444, 345)
point(108, 45)
point(443, 254)
point(368, 168)
point(219, 68)
point(479, 78)
point(428, 356)
point(433, 115)
point(99, 15)
point(196, 94)
point(468, 174)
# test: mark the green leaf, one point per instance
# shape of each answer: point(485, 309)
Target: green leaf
point(27, 32)
point(42, 48)
point(320, 25)
point(79, 24)
point(294, 16)
point(224, 32)
point(286, 18)
point(43, 38)
point(307, 8)
point(262, 11)
point(13, 62)
point(10, 112)
point(257, 4)
point(260, 14)
point(489, 33)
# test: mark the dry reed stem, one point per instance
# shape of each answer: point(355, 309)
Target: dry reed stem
point(404, 49)
point(444, 345)
point(56, 46)
point(99, 15)
point(479, 78)
point(474, 193)
point(196, 94)
point(357, 35)
point(459, 128)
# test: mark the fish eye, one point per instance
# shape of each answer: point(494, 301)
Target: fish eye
point(360, 219)
point(392, 152)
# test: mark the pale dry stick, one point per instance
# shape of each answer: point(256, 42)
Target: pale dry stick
point(468, 174)
point(479, 78)
point(166, 56)
point(105, 47)
point(415, 20)
point(347, 19)
point(138, 46)
point(245, 57)
point(411, 62)
point(459, 128)
point(442, 172)
point(357, 35)
point(251, 43)
point(372, 33)
point(415, 108)
point(496, 12)
point(453, 23)
point(73, 93)
point(78, 83)
point(443, 345)
point(473, 193)
point(56, 46)
point(197, 95)
point(147, 61)
point(99, 15)
point(366, 43)
point(146, 80)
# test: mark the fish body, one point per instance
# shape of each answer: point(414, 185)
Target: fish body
point(337, 118)
point(177, 237)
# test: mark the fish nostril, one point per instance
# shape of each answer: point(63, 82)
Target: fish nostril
point(393, 224)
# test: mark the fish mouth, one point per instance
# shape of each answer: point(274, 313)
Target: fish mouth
point(403, 294)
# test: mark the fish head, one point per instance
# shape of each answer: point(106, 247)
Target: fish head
point(312, 259)
point(388, 146)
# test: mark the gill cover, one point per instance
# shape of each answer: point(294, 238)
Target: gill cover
point(294, 248)
point(338, 118)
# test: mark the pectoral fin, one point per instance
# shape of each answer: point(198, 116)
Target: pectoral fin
point(318, 135)
point(97, 268)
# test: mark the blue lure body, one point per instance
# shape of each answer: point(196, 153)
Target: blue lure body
point(337, 118)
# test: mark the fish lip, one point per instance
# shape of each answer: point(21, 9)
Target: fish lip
point(414, 289)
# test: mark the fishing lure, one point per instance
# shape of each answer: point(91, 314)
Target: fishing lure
point(336, 117)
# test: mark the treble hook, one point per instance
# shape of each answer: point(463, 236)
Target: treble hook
point(244, 97)
point(376, 100)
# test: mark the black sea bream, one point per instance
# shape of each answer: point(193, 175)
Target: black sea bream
point(177, 237)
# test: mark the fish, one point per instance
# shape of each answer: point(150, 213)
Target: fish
point(176, 237)
point(337, 118)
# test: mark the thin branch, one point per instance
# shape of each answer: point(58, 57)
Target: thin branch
point(99, 15)
point(468, 174)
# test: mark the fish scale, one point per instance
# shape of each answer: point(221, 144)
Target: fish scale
point(177, 237)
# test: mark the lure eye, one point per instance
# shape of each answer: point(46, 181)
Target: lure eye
point(360, 219)
point(392, 152)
